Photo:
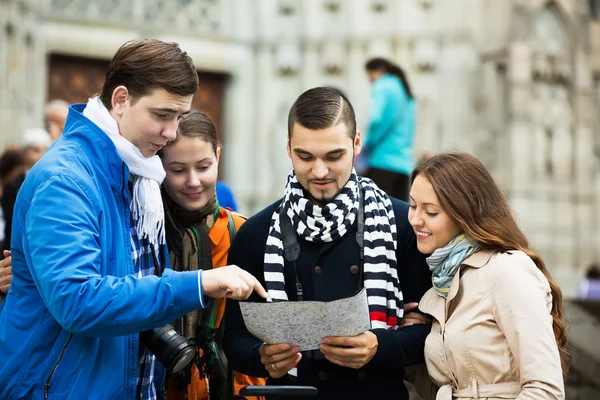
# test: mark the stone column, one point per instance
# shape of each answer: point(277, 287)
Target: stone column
point(586, 124)
point(6, 116)
point(240, 106)
point(21, 99)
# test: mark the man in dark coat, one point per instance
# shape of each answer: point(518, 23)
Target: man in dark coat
point(322, 201)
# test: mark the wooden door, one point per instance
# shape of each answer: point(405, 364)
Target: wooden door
point(75, 79)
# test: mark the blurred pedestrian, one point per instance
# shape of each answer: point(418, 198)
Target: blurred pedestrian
point(35, 142)
point(56, 117)
point(11, 166)
point(390, 133)
point(589, 288)
point(226, 196)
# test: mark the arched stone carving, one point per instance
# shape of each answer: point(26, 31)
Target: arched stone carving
point(333, 56)
point(562, 132)
point(202, 16)
point(287, 7)
point(332, 6)
point(549, 31)
point(551, 45)
point(380, 6)
point(426, 4)
point(288, 59)
point(426, 54)
point(552, 108)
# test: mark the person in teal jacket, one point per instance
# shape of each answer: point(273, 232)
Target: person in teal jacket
point(389, 139)
point(89, 260)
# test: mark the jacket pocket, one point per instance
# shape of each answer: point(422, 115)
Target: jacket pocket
point(55, 367)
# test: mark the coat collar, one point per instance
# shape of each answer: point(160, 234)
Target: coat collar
point(437, 306)
point(97, 145)
point(479, 259)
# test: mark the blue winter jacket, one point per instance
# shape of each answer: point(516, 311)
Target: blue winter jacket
point(391, 129)
point(68, 327)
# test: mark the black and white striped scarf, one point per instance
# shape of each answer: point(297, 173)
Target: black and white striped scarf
point(331, 222)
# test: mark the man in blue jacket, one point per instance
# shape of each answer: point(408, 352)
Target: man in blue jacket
point(88, 247)
point(334, 216)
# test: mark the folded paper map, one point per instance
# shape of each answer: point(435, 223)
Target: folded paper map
point(306, 323)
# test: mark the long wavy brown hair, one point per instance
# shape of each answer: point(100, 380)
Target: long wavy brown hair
point(468, 194)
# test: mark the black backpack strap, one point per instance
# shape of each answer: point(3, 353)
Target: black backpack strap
point(291, 247)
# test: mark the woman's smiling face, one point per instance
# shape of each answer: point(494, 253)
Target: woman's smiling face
point(433, 227)
point(192, 168)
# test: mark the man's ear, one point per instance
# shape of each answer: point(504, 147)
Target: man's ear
point(289, 147)
point(218, 153)
point(357, 143)
point(119, 99)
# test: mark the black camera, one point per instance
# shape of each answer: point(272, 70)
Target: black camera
point(174, 351)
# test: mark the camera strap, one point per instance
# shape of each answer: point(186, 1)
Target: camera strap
point(291, 247)
point(213, 364)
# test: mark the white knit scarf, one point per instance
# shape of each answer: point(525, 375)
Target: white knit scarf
point(148, 174)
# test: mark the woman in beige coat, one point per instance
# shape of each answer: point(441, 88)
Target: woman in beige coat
point(497, 331)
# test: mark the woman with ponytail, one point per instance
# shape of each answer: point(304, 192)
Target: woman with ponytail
point(498, 330)
point(389, 139)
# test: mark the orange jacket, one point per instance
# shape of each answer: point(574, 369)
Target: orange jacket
point(220, 243)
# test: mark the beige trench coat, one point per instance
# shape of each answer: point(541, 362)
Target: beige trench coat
point(492, 337)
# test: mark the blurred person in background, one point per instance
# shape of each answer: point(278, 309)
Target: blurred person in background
point(589, 288)
point(226, 196)
point(11, 166)
point(56, 117)
point(391, 128)
point(35, 142)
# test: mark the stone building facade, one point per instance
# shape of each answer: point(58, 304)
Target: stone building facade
point(516, 82)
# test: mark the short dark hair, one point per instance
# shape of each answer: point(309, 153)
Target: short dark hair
point(10, 160)
point(593, 272)
point(196, 124)
point(321, 108)
point(144, 65)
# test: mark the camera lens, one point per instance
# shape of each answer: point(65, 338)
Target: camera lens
point(174, 351)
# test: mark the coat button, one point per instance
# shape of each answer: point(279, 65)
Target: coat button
point(354, 269)
point(362, 375)
point(323, 375)
point(318, 270)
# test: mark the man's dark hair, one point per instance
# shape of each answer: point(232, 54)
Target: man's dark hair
point(144, 65)
point(9, 161)
point(196, 124)
point(593, 272)
point(321, 108)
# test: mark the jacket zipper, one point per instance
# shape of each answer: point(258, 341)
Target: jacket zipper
point(62, 354)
